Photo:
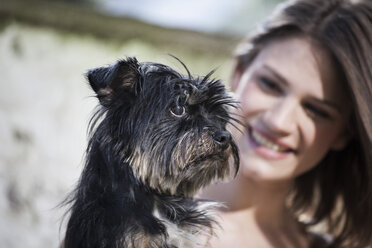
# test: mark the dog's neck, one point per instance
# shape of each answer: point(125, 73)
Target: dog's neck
point(132, 214)
point(188, 222)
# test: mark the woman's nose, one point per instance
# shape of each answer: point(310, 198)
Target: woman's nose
point(281, 117)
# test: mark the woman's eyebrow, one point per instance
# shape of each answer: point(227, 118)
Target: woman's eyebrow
point(276, 74)
point(319, 101)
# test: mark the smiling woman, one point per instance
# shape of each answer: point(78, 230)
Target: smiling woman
point(290, 122)
point(305, 86)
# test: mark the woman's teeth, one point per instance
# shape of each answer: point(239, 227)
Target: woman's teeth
point(261, 140)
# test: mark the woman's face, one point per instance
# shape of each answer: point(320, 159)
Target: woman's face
point(294, 109)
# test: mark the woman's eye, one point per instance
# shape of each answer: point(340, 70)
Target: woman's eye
point(177, 111)
point(317, 112)
point(269, 85)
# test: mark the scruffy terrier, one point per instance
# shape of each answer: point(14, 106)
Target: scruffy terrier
point(156, 139)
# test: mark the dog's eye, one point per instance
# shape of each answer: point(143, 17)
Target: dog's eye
point(178, 111)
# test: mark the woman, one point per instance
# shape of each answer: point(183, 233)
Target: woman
point(305, 86)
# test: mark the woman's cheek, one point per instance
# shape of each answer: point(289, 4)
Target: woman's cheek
point(253, 100)
point(314, 143)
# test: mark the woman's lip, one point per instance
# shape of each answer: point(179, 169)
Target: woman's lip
point(270, 138)
point(266, 152)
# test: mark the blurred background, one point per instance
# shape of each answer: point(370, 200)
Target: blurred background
point(46, 46)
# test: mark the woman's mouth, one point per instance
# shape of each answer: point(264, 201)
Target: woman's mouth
point(266, 147)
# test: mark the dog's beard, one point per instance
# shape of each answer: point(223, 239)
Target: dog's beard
point(183, 167)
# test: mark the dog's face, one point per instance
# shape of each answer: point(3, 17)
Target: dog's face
point(170, 128)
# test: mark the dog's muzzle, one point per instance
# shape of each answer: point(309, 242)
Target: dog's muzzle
point(222, 139)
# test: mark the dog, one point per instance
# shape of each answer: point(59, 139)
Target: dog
point(157, 137)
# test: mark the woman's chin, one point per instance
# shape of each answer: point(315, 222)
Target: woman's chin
point(262, 171)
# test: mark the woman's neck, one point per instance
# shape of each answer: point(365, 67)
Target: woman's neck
point(266, 202)
point(258, 209)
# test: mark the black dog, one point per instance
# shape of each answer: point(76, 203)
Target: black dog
point(157, 138)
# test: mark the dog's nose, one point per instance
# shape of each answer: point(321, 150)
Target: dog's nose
point(222, 138)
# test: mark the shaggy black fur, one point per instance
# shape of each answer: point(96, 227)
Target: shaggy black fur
point(157, 137)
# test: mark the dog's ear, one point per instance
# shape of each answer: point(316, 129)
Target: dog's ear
point(109, 82)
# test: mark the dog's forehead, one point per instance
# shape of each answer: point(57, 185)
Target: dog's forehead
point(176, 80)
point(197, 87)
point(148, 67)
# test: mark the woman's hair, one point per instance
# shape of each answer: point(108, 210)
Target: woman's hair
point(337, 192)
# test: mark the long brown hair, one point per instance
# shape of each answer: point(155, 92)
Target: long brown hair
point(337, 192)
